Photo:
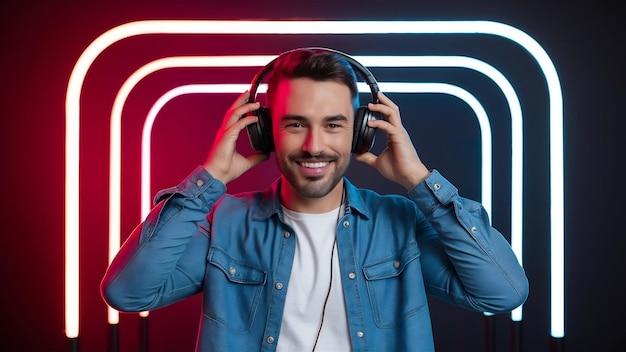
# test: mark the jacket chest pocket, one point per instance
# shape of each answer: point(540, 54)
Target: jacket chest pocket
point(395, 287)
point(232, 290)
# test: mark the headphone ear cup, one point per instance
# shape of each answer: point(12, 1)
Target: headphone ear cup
point(363, 138)
point(260, 133)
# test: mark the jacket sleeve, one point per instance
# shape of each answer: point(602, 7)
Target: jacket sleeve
point(163, 260)
point(469, 263)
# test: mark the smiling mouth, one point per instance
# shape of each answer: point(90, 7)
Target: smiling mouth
point(314, 165)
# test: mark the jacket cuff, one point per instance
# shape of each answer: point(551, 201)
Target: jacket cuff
point(194, 185)
point(433, 191)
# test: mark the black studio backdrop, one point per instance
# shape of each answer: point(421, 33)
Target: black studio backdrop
point(41, 42)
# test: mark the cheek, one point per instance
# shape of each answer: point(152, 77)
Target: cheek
point(285, 143)
point(342, 143)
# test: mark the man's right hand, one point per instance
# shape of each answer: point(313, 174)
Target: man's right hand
point(224, 162)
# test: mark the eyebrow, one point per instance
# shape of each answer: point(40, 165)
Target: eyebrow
point(300, 118)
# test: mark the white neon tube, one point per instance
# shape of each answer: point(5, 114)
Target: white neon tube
point(115, 167)
point(312, 27)
point(373, 61)
point(391, 87)
point(383, 61)
point(116, 123)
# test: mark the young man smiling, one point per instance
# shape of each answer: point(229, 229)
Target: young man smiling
point(315, 263)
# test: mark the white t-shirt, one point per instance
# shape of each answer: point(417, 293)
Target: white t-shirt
point(309, 286)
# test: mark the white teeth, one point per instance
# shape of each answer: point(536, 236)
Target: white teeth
point(314, 165)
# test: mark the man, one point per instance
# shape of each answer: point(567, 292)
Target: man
point(314, 263)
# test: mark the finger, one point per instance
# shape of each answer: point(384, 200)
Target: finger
point(386, 107)
point(383, 99)
point(246, 121)
point(241, 112)
point(388, 127)
point(241, 99)
point(238, 125)
point(367, 158)
point(257, 158)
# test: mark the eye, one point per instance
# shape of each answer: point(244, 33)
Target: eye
point(295, 125)
point(335, 126)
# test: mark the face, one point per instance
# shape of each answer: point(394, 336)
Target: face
point(313, 124)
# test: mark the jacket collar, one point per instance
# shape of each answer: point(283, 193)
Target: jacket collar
point(270, 203)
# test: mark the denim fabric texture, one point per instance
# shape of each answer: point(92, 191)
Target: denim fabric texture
point(238, 251)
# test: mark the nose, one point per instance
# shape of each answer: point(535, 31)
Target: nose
point(314, 143)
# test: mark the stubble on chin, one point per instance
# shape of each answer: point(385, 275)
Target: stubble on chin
point(317, 186)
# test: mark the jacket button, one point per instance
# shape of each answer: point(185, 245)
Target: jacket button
point(199, 183)
point(279, 285)
point(474, 229)
point(437, 186)
point(352, 276)
point(286, 234)
point(346, 223)
point(232, 271)
point(270, 339)
point(360, 334)
point(396, 264)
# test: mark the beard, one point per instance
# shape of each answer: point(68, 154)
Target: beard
point(313, 186)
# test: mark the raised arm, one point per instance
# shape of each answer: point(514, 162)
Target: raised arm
point(469, 263)
point(164, 258)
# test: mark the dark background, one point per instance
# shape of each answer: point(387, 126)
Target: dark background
point(41, 41)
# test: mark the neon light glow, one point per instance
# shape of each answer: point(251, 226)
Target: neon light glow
point(311, 27)
point(391, 87)
point(372, 61)
point(115, 168)
point(388, 87)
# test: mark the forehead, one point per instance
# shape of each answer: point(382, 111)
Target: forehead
point(304, 94)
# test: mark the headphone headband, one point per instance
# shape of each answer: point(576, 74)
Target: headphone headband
point(364, 72)
point(260, 133)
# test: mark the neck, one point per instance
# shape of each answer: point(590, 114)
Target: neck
point(295, 201)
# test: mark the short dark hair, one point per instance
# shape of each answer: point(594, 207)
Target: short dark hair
point(315, 64)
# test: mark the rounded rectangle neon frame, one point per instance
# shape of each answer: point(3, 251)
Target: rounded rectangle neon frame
point(379, 61)
point(313, 27)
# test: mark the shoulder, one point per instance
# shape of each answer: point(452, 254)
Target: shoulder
point(368, 201)
point(258, 205)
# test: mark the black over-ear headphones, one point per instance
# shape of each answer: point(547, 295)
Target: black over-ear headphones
point(260, 133)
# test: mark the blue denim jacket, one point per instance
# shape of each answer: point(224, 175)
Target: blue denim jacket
point(393, 250)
